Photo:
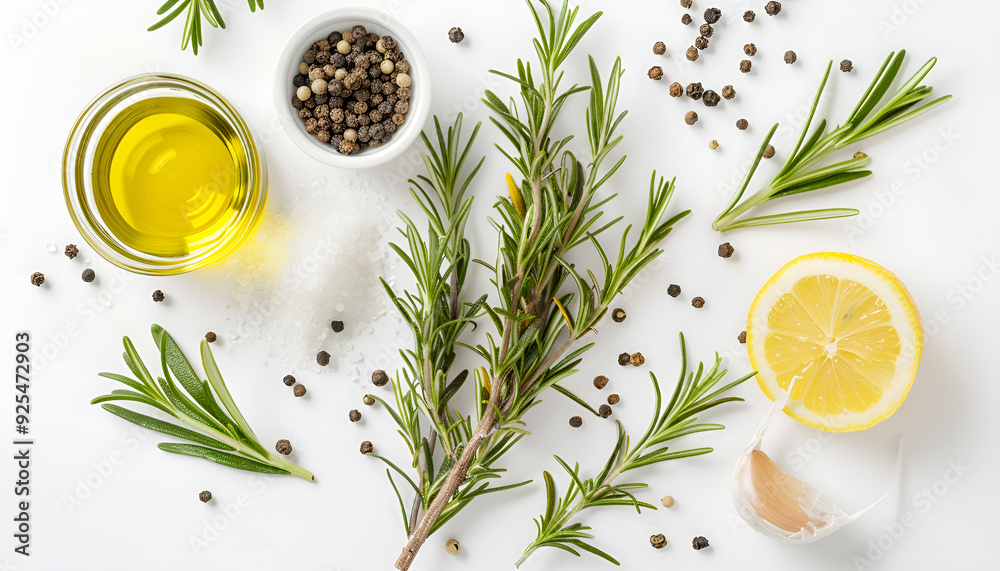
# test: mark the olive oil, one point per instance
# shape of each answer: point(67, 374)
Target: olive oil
point(169, 176)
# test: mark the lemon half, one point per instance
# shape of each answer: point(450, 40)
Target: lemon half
point(846, 330)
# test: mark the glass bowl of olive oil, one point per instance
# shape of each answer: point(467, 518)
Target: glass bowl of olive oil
point(162, 175)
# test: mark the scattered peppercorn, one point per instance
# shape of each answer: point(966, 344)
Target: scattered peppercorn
point(711, 98)
point(337, 326)
point(604, 411)
point(368, 400)
point(299, 390)
point(713, 144)
point(600, 381)
point(667, 501)
point(205, 496)
point(846, 66)
point(624, 359)
point(706, 30)
point(88, 275)
point(158, 296)
point(366, 447)
point(690, 117)
point(700, 542)
point(790, 57)
point(289, 380)
point(685, 3)
point(742, 124)
point(658, 541)
point(768, 151)
point(71, 251)
point(613, 398)
point(701, 42)
point(749, 16)
point(728, 92)
point(354, 415)
point(772, 8)
point(691, 54)
point(659, 48)
point(283, 447)
point(676, 90)
point(655, 72)
point(745, 66)
point(575, 421)
point(742, 337)
point(323, 358)
point(694, 91)
point(712, 15)
point(637, 359)
point(379, 378)
point(750, 49)
point(674, 290)
point(456, 35)
point(452, 546)
point(211, 337)
point(698, 302)
point(686, 19)
point(726, 250)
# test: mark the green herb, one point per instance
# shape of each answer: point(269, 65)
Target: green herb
point(691, 396)
point(799, 174)
point(196, 10)
point(215, 426)
point(553, 209)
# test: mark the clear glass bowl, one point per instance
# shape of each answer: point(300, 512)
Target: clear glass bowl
point(79, 160)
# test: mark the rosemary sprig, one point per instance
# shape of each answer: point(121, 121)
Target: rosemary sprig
point(692, 395)
point(553, 209)
point(799, 173)
point(196, 10)
point(214, 424)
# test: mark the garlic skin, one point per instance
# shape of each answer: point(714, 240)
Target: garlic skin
point(779, 505)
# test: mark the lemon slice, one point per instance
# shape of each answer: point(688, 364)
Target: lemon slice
point(846, 330)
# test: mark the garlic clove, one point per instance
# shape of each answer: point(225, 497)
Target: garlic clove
point(779, 505)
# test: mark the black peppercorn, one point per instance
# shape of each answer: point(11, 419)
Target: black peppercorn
point(750, 49)
point(676, 90)
point(455, 35)
point(600, 381)
point(658, 541)
point(158, 296)
point(790, 57)
point(686, 19)
point(368, 400)
point(604, 411)
point(772, 8)
point(768, 151)
point(674, 290)
point(71, 251)
point(701, 42)
point(700, 542)
point(711, 98)
point(636, 359)
point(749, 16)
point(576, 422)
point(742, 337)
point(379, 378)
point(742, 124)
point(283, 447)
point(726, 250)
point(694, 91)
point(691, 54)
point(728, 92)
point(299, 391)
point(88, 275)
point(655, 72)
point(659, 48)
point(366, 447)
point(685, 3)
point(698, 302)
point(618, 315)
point(706, 30)
point(337, 326)
point(323, 358)
point(613, 398)
point(712, 15)
point(745, 66)
point(690, 117)
point(846, 66)
point(211, 337)
point(289, 380)
point(624, 359)
point(354, 415)
point(205, 496)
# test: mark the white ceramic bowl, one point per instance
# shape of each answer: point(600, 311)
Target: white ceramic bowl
point(318, 28)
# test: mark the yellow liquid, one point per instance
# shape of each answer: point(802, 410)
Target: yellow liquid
point(170, 176)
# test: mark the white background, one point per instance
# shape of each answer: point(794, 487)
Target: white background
point(936, 233)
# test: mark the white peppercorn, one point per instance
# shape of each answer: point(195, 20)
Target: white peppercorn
point(303, 93)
